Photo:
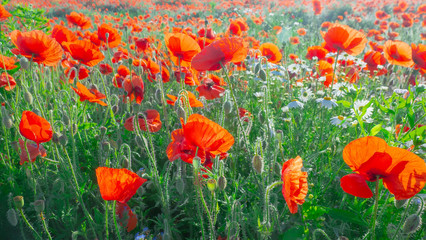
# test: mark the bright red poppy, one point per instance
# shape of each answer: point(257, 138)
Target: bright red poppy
point(7, 63)
point(371, 158)
point(182, 48)
point(118, 184)
point(36, 46)
point(398, 53)
point(152, 118)
point(7, 81)
point(373, 60)
point(340, 38)
point(295, 183)
point(105, 68)
point(35, 128)
point(84, 51)
point(33, 151)
point(219, 53)
point(134, 87)
point(199, 133)
point(210, 89)
point(4, 14)
point(114, 37)
point(70, 71)
point(126, 217)
point(419, 55)
point(271, 52)
point(316, 51)
point(193, 101)
point(62, 34)
point(80, 20)
point(91, 95)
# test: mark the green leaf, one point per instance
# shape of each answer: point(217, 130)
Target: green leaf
point(345, 104)
point(347, 216)
point(418, 132)
point(293, 233)
point(376, 129)
point(411, 117)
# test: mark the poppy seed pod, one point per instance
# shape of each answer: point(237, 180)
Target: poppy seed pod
point(211, 184)
point(257, 163)
point(24, 63)
point(39, 206)
point(19, 202)
point(412, 224)
point(221, 182)
point(28, 97)
point(11, 217)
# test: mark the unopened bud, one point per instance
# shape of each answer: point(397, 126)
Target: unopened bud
point(221, 182)
point(180, 112)
point(261, 117)
point(180, 186)
point(412, 224)
point(103, 130)
point(125, 163)
point(262, 75)
point(115, 109)
point(196, 163)
point(39, 206)
point(158, 95)
point(11, 217)
point(257, 163)
point(257, 68)
point(211, 184)
point(28, 97)
point(19, 202)
point(139, 142)
point(24, 63)
point(63, 140)
point(227, 107)
point(66, 119)
point(55, 137)
point(400, 203)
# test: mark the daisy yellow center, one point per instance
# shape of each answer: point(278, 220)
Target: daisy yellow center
point(294, 100)
point(340, 118)
point(327, 98)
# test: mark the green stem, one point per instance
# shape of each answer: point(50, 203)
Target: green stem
point(115, 220)
point(402, 219)
point(29, 224)
point(106, 220)
point(268, 189)
point(45, 226)
point(376, 207)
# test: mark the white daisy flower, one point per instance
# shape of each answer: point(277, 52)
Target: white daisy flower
point(400, 91)
point(340, 89)
point(359, 108)
point(327, 102)
point(295, 104)
point(259, 94)
point(341, 121)
point(305, 94)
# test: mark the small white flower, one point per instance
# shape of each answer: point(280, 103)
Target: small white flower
point(327, 102)
point(340, 89)
point(359, 108)
point(341, 121)
point(320, 93)
point(400, 91)
point(295, 104)
point(305, 94)
point(259, 94)
point(382, 88)
point(285, 109)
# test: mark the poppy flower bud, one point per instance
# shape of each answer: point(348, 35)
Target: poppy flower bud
point(262, 74)
point(15, 146)
point(39, 206)
point(125, 163)
point(7, 121)
point(158, 95)
point(130, 61)
point(261, 116)
point(24, 63)
point(412, 224)
point(19, 202)
point(257, 68)
point(11, 217)
point(180, 112)
point(66, 119)
point(211, 184)
point(180, 186)
point(257, 163)
point(196, 163)
point(400, 203)
point(277, 168)
point(63, 140)
point(227, 107)
point(139, 142)
point(55, 137)
point(28, 97)
point(221, 182)
point(115, 109)
point(49, 85)
point(103, 130)
point(36, 111)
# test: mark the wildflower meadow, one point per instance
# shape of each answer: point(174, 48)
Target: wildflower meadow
point(227, 119)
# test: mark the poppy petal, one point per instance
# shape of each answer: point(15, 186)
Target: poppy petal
point(356, 185)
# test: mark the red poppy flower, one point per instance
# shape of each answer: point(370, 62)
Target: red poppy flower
point(190, 76)
point(80, 20)
point(243, 113)
point(33, 151)
point(7, 63)
point(126, 217)
point(118, 184)
point(36, 45)
point(295, 183)
point(316, 4)
point(210, 90)
point(142, 44)
point(403, 172)
point(343, 38)
point(181, 48)
point(301, 31)
point(35, 128)
point(69, 71)
point(419, 55)
point(62, 34)
point(152, 118)
point(105, 68)
point(373, 60)
point(398, 53)
point(84, 51)
point(199, 132)
point(219, 53)
point(271, 52)
point(193, 102)
point(7, 81)
point(4, 14)
point(316, 51)
point(91, 95)
point(114, 38)
point(134, 87)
